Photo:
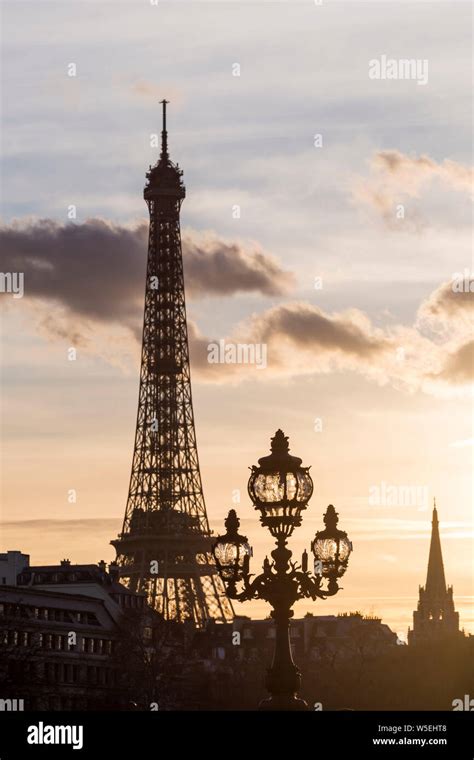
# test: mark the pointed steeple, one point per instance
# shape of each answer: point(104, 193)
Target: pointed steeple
point(436, 618)
point(435, 580)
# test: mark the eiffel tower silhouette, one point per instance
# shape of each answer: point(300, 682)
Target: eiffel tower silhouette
point(164, 546)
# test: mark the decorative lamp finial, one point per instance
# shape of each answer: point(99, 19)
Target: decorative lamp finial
point(279, 443)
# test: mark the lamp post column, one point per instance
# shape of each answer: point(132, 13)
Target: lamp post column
point(283, 679)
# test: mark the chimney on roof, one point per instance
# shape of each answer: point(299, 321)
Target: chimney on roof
point(114, 571)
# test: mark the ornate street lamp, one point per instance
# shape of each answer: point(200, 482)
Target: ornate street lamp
point(280, 489)
point(232, 553)
point(331, 548)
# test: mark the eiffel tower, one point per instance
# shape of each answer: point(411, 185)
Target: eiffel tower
point(164, 547)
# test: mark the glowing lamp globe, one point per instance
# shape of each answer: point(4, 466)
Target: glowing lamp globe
point(331, 546)
point(232, 552)
point(280, 488)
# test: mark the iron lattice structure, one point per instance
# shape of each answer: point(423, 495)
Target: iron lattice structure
point(164, 548)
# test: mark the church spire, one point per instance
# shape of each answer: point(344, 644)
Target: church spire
point(435, 580)
point(436, 617)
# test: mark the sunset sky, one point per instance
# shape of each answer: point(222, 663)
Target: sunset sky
point(342, 257)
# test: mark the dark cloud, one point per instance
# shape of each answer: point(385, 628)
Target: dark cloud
point(299, 339)
point(83, 280)
point(95, 270)
point(215, 267)
point(309, 327)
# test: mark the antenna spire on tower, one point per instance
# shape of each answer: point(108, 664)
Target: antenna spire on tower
point(164, 133)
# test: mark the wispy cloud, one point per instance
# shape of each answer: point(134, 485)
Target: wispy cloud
point(395, 176)
point(459, 365)
point(448, 313)
point(62, 525)
point(452, 302)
